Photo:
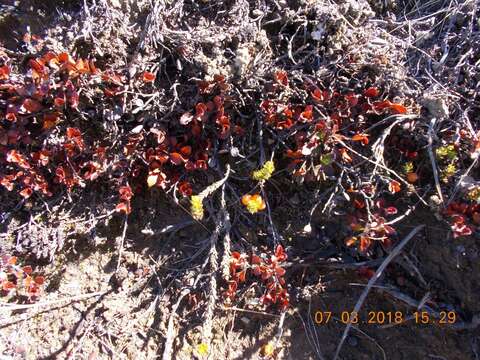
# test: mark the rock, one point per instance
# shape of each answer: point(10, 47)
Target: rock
point(436, 106)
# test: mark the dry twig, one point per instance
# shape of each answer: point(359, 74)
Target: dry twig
point(373, 280)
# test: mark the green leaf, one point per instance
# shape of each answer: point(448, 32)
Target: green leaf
point(326, 159)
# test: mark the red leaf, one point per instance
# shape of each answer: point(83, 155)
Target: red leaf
point(176, 158)
point(64, 58)
point(11, 117)
point(124, 207)
point(39, 280)
point(26, 193)
point(319, 95)
point(4, 72)
point(280, 253)
point(218, 101)
point(125, 192)
point(281, 77)
point(361, 137)
point(412, 154)
point(458, 219)
point(201, 165)
point(381, 105)
point(224, 131)
point(204, 87)
point(59, 102)
point(73, 133)
point(352, 99)
point(36, 65)
point(242, 275)
point(307, 114)
point(267, 106)
point(42, 156)
point(365, 243)
point(32, 106)
point(8, 285)
point(83, 66)
point(284, 304)
point(200, 110)
point(185, 188)
point(186, 150)
point(256, 260)
point(148, 77)
point(49, 121)
point(218, 78)
point(394, 186)
point(461, 230)
point(398, 109)
point(6, 181)
point(391, 210)
point(27, 269)
point(371, 92)
point(15, 157)
point(386, 104)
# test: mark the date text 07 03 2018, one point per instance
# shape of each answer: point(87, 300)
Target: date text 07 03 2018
point(386, 317)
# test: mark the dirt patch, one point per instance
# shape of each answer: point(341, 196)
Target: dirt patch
point(128, 317)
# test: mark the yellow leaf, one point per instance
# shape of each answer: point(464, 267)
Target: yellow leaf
point(265, 172)
point(268, 349)
point(202, 349)
point(196, 207)
point(254, 203)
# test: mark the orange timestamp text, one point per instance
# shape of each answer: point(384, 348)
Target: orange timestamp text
point(386, 317)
